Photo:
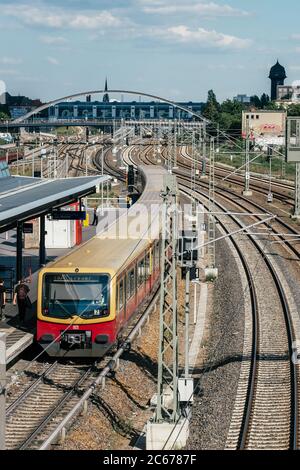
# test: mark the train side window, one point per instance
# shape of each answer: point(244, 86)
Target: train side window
point(157, 254)
point(130, 284)
point(151, 260)
point(141, 272)
point(121, 294)
point(148, 265)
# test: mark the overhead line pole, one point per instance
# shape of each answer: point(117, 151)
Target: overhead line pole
point(168, 339)
point(247, 191)
point(211, 271)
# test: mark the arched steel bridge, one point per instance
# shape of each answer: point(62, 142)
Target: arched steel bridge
point(95, 92)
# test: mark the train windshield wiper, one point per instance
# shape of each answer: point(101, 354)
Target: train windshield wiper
point(65, 311)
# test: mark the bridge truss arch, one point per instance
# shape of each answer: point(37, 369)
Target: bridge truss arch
point(96, 92)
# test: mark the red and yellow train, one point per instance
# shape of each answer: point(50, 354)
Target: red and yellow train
point(86, 298)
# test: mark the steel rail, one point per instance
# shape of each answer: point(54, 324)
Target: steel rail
point(30, 389)
point(294, 422)
point(112, 365)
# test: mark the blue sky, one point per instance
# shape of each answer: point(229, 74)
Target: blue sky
point(177, 49)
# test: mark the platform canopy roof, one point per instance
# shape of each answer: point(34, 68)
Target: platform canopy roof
point(23, 198)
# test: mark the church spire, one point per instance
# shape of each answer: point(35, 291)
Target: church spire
point(106, 95)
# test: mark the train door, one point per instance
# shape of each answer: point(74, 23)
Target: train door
point(151, 261)
point(121, 305)
point(140, 280)
point(130, 292)
point(148, 271)
point(157, 259)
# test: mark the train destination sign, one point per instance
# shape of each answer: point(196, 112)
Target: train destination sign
point(68, 215)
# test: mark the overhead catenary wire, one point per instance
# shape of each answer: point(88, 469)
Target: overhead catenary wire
point(236, 309)
point(31, 363)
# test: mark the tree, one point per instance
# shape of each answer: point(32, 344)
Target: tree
point(232, 107)
point(294, 110)
point(212, 107)
point(255, 101)
point(273, 106)
point(4, 112)
point(265, 100)
point(4, 117)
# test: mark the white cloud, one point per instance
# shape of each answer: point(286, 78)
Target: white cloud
point(201, 8)
point(10, 61)
point(296, 37)
point(59, 18)
point(226, 67)
point(202, 37)
point(54, 40)
point(52, 61)
point(8, 72)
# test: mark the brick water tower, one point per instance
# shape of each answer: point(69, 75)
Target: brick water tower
point(277, 77)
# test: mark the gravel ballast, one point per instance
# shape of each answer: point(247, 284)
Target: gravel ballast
point(219, 374)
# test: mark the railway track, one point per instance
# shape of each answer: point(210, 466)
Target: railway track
point(112, 363)
point(34, 414)
point(266, 414)
point(260, 185)
point(270, 409)
point(283, 228)
point(266, 410)
point(41, 414)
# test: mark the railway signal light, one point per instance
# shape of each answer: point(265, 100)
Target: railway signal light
point(269, 153)
point(130, 178)
point(188, 246)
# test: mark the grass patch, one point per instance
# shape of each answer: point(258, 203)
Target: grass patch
point(260, 165)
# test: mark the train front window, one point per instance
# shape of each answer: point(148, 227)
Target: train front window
point(69, 295)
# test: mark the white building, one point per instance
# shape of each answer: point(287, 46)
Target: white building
point(289, 94)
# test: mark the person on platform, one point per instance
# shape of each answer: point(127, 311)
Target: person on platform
point(2, 299)
point(95, 220)
point(21, 299)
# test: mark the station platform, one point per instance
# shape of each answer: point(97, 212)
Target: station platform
point(19, 338)
point(17, 341)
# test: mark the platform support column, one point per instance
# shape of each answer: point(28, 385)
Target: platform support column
point(42, 241)
point(19, 270)
point(2, 389)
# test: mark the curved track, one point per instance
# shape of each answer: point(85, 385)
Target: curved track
point(267, 410)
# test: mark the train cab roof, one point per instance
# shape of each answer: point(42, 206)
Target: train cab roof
point(127, 238)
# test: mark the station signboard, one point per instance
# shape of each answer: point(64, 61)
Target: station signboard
point(28, 227)
point(68, 215)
